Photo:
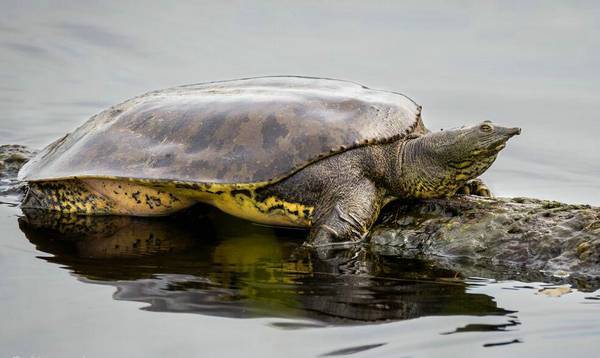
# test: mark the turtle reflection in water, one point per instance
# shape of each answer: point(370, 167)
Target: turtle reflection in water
point(236, 269)
point(294, 151)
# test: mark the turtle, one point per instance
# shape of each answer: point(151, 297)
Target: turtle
point(318, 153)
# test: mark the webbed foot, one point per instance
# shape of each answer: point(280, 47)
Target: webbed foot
point(344, 218)
point(327, 245)
point(475, 187)
point(325, 235)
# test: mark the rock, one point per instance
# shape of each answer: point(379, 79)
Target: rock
point(508, 238)
point(12, 158)
point(555, 291)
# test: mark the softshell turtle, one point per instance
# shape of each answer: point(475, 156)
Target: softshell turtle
point(295, 151)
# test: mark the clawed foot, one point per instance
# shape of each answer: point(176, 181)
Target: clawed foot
point(332, 251)
point(475, 187)
point(326, 242)
point(326, 238)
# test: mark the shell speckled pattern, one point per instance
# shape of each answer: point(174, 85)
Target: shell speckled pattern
point(241, 131)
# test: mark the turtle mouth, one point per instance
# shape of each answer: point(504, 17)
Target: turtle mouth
point(503, 136)
point(496, 146)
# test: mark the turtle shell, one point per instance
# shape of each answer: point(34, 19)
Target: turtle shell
point(241, 131)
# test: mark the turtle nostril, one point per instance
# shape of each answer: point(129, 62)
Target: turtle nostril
point(515, 131)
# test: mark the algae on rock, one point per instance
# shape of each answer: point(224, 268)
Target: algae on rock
point(518, 237)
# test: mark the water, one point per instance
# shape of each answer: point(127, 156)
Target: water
point(252, 289)
point(123, 286)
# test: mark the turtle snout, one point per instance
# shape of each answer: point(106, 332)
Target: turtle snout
point(508, 132)
point(503, 134)
point(514, 131)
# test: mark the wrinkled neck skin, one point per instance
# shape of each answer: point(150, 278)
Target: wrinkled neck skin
point(418, 171)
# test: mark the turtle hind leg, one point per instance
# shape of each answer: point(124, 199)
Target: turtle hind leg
point(475, 187)
point(102, 197)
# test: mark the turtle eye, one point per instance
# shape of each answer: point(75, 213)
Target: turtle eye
point(487, 128)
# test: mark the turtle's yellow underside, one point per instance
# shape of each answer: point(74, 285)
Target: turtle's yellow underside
point(91, 196)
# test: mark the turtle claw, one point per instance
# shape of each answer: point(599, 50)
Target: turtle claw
point(475, 187)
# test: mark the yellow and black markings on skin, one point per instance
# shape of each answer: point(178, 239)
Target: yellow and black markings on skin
point(454, 180)
point(67, 196)
point(118, 196)
point(243, 200)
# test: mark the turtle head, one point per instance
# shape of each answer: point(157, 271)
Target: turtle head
point(470, 150)
point(440, 163)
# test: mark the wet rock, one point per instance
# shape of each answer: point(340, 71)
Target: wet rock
point(503, 237)
point(12, 158)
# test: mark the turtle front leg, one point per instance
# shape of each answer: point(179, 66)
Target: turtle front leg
point(475, 187)
point(346, 215)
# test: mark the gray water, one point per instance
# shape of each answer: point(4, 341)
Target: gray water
point(534, 65)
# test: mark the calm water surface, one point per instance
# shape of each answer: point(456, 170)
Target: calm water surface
point(209, 285)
